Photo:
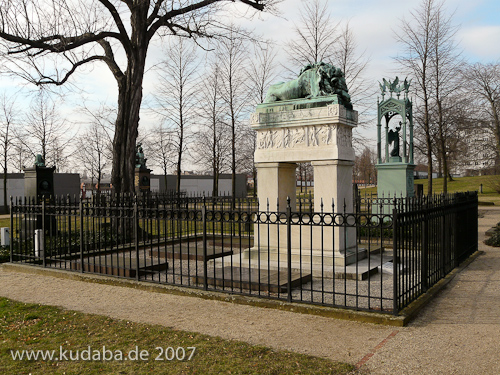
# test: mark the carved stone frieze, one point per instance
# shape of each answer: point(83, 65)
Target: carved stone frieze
point(344, 137)
point(298, 137)
point(333, 110)
point(304, 136)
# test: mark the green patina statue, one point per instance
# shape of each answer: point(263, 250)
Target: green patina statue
point(314, 80)
point(39, 162)
point(393, 138)
point(140, 160)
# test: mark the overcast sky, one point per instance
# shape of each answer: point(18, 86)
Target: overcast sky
point(373, 23)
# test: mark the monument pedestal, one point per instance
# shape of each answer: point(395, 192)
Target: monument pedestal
point(394, 180)
point(142, 180)
point(38, 187)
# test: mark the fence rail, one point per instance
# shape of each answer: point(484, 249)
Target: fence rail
point(379, 258)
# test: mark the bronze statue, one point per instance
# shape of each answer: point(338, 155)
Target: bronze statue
point(39, 161)
point(140, 160)
point(394, 138)
point(314, 80)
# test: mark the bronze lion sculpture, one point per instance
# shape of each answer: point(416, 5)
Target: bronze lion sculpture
point(314, 80)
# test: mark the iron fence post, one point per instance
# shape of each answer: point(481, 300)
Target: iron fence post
point(395, 261)
point(135, 219)
point(444, 251)
point(204, 224)
point(456, 258)
point(81, 236)
point(11, 244)
point(44, 256)
point(476, 224)
point(289, 249)
point(425, 253)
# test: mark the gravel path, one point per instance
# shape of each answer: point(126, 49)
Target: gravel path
point(457, 333)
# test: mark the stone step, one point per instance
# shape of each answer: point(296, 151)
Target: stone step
point(275, 281)
point(328, 258)
point(360, 270)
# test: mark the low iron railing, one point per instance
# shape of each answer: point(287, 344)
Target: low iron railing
point(379, 258)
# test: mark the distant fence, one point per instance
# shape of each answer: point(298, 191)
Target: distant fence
point(402, 246)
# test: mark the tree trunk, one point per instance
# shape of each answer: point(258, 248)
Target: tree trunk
point(215, 191)
point(129, 104)
point(127, 123)
point(5, 155)
point(427, 130)
point(233, 162)
point(5, 204)
point(179, 170)
point(215, 188)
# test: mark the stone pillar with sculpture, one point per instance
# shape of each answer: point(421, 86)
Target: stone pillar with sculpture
point(39, 188)
point(395, 163)
point(142, 180)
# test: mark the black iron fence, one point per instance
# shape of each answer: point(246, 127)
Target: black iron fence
point(381, 257)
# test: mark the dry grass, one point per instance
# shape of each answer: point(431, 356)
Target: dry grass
point(37, 327)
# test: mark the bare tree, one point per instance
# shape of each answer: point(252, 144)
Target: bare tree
point(417, 38)
point(457, 118)
point(176, 95)
point(316, 35)
point(94, 146)
point(20, 155)
point(320, 38)
point(364, 166)
point(78, 33)
point(233, 58)
point(353, 64)
point(8, 113)
point(213, 140)
point(163, 150)
point(46, 132)
point(483, 89)
point(445, 62)
point(262, 72)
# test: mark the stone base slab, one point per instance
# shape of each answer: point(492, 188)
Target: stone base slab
point(360, 270)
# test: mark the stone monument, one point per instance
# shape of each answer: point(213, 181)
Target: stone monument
point(309, 119)
point(142, 180)
point(395, 167)
point(39, 187)
point(39, 181)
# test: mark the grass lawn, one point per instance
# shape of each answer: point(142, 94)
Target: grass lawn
point(461, 184)
point(39, 328)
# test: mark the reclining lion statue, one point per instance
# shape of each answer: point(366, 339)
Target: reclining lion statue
point(314, 80)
